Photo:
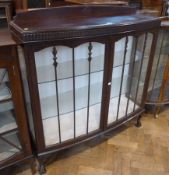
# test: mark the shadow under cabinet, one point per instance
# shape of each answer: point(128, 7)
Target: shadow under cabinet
point(84, 73)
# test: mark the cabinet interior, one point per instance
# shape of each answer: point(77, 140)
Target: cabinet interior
point(9, 140)
point(70, 85)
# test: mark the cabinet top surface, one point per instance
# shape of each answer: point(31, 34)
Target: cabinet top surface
point(32, 25)
point(114, 2)
point(5, 38)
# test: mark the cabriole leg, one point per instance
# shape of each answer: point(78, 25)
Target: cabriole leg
point(138, 124)
point(42, 169)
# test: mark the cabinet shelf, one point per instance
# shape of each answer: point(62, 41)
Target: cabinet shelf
point(5, 93)
point(49, 70)
point(46, 73)
point(14, 135)
point(3, 17)
point(6, 150)
point(70, 77)
point(4, 100)
point(67, 125)
point(67, 121)
point(49, 104)
point(122, 108)
point(7, 122)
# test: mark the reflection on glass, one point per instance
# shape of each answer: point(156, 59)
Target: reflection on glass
point(9, 145)
point(158, 89)
point(7, 116)
point(70, 89)
point(131, 59)
point(5, 92)
point(7, 121)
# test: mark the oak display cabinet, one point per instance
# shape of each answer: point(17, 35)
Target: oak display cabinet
point(87, 69)
point(14, 138)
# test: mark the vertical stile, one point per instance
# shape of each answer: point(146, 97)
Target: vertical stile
point(57, 95)
point(74, 99)
point(132, 72)
point(158, 64)
point(144, 47)
point(90, 47)
point(122, 76)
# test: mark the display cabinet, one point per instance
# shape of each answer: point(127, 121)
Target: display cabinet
point(14, 137)
point(165, 10)
point(136, 3)
point(158, 91)
point(5, 13)
point(87, 69)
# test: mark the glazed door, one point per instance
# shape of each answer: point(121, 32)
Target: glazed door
point(14, 138)
point(127, 80)
point(70, 82)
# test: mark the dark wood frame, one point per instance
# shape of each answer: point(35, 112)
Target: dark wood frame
point(35, 41)
point(9, 61)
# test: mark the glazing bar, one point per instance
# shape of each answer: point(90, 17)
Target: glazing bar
point(74, 94)
point(89, 82)
point(56, 83)
point(144, 47)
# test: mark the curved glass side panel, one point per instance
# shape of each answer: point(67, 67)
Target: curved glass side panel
point(159, 80)
point(9, 142)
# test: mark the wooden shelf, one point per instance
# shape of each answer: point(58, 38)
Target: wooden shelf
point(3, 16)
point(7, 122)
point(8, 150)
point(5, 94)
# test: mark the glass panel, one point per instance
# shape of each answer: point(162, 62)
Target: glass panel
point(119, 84)
point(70, 88)
point(143, 70)
point(26, 89)
point(131, 56)
point(4, 85)
point(7, 121)
point(160, 65)
point(45, 70)
point(89, 65)
point(55, 96)
point(9, 145)
point(7, 114)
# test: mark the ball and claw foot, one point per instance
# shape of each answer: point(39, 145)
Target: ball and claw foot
point(138, 124)
point(156, 116)
point(157, 112)
point(42, 169)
